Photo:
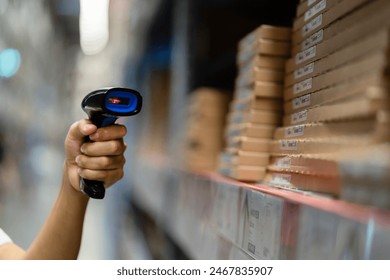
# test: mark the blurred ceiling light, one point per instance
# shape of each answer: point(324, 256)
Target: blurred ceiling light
point(94, 32)
point(9, 62)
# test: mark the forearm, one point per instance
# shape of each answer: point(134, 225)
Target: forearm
point(60, 237)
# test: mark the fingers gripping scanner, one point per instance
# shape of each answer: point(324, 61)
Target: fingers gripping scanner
point(103, 107)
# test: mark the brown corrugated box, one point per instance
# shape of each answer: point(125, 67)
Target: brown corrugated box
point(355, 128)
point(322, 184)
point(315, 32)
point(342, 39)
point(304, 164)
point(255, 116)
point(244, 158)
point(357, 87)
point(352, 108)
point(262, 89)
point(376, 62)
point(250, 130)
point(248, 78)
point(333, 16)
point(343, 56)
point(253, 102)
point(244, 173)
point(249, 144)
point(320, 145)
point(264, 47)
point(313, 11)
point(304, 5)
point(203, 137)
point(271, 32)
point(263, 61)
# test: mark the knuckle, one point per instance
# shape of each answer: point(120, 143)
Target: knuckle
point(107, 162)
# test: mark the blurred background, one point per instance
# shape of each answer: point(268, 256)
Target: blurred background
point(183, 56)
point(52, 53)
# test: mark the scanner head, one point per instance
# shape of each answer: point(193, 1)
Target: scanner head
point(114, 101)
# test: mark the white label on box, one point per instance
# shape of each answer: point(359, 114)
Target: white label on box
point(312, 25)
point(294, 131)
point(281, 179)
point(305, 55)
point(301, 101)
point(302, 86)
point(289, 145)
point(299, 117)
point(320, 6)
point(310, 2)
point(313, 39)
point(303, 71)
point(283, 163)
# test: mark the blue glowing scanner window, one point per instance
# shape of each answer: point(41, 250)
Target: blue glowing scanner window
point(121, 101)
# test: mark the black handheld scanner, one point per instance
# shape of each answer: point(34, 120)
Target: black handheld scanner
point(103, 107)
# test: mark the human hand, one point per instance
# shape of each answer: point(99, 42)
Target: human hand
point(101, 160)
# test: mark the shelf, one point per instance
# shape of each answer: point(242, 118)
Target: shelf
point(213, 217)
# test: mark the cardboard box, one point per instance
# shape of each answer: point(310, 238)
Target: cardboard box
point(356, 87)
point(304, 164)
point(205, 124)
point(261, 89)
point(270, 32)
point(351, 109)
point(248, 78)
point(255, 116)
point(244, 158)
point(264, 47)
point(318, 33)
point(333, 16)
point(244, 173)
point(322, 184)
point(376, 62)
point(349, 36)
point(253, 102)
point(341, 57)
point(250, 130)
point(319, 145)
point(262, 61)
point(354, 128)
point(304, 5)
point(249, 144)
point(316, 9)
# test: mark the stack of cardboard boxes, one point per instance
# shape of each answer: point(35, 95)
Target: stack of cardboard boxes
point(207, 109)
point(336, 92)
point(256, 109)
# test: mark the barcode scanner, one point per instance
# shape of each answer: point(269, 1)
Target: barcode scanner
point(103, 107)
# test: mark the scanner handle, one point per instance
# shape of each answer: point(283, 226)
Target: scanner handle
point(92, 188)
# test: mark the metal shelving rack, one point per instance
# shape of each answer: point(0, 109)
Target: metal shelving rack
point(213, 217)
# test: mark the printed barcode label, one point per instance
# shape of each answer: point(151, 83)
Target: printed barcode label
point(294, 131)
point(289, 145)
point(312, 25)
point(302, 101)
point(320, 6)
point(283, 163)
point(302, 86)
point(305, 55)
point(299, 117)
point(283, 179)
point(303, 71)
point(313, 39)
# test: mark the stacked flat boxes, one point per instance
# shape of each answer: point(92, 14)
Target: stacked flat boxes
point(207, 109)
point(336, 94)
point(256, 108)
